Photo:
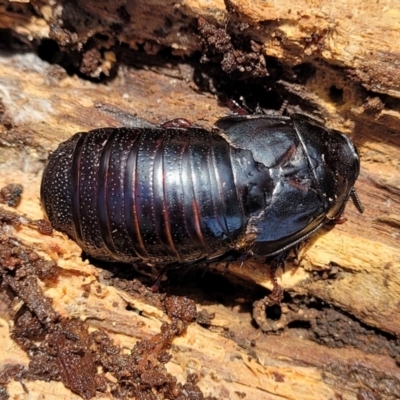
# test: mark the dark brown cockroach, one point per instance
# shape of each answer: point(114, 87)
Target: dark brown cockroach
point(257, 185)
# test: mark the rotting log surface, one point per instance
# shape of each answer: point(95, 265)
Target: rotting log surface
point(354, 268)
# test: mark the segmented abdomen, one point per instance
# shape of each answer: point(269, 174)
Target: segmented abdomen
point(160, 195)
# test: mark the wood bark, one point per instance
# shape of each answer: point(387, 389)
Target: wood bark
point(353, 50)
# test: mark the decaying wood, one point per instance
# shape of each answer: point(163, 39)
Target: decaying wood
point(353, 49)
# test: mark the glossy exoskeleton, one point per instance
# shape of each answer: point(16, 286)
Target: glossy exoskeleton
point(177, 193)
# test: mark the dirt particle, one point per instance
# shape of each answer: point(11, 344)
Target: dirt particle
point(44, 227)
point(278, 377)
point(180, 307)
point(11, 194)
point(91, 61)
point(204, 318)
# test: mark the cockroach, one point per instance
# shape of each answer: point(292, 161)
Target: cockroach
point(255, 185)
